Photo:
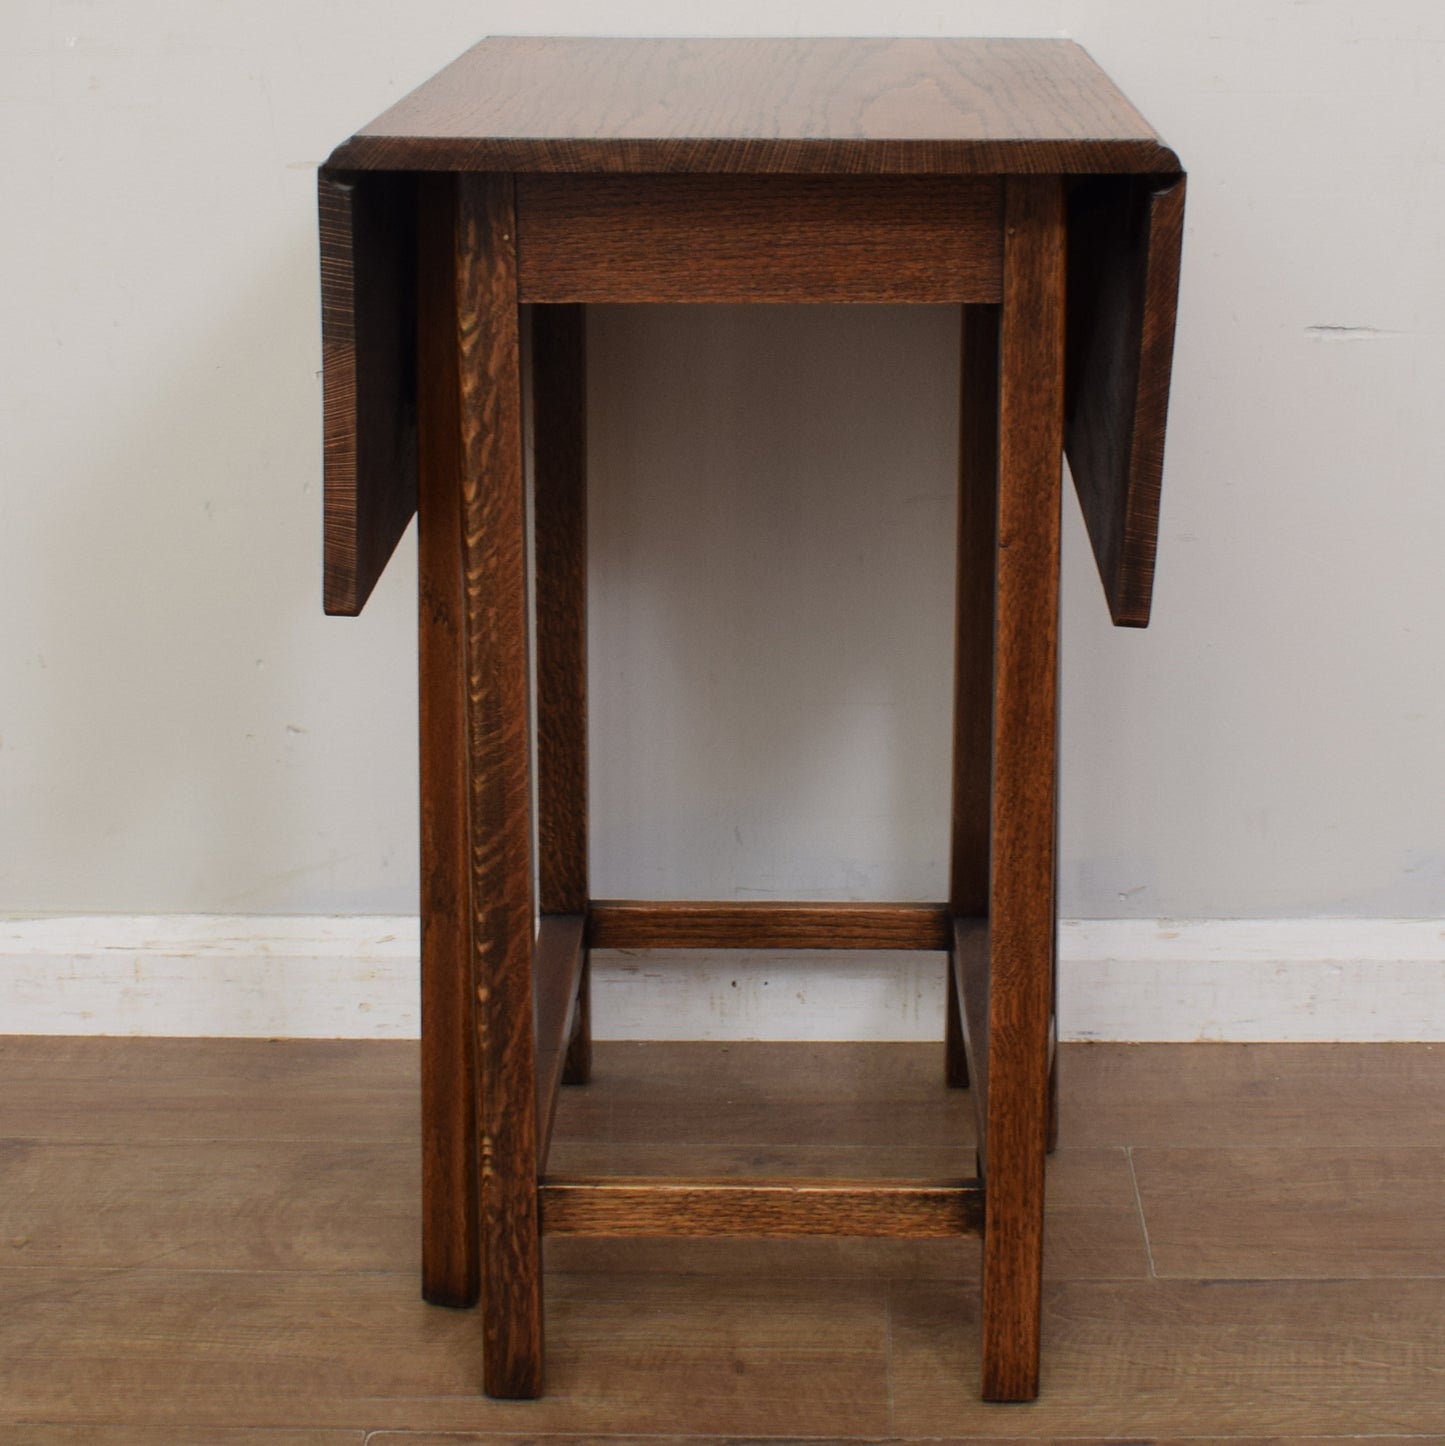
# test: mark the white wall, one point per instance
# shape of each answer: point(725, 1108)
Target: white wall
point(182, 731)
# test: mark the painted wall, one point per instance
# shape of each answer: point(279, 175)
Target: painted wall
point(182, 731)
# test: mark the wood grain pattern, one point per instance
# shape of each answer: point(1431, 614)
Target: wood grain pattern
point(1232, 1096)
point(237, 1204)
point(268, 1205)
point(559, 447)
point(816, 1358)
point(34, 1435)
point(610, 1154)
point(500, 789)
point(758, 239)
point(408, 1438)
point(641, 924)
point(781, 106)
point(162, 1348)
point(367, 226)
point(1125, 234)
point(972, 802)
point(855, 171)
point(894, 1209)
point(386, 1438)
point(816, 1338)
point(1361, 1212)
point(1021, 911)
point(86, 1089)
point(451, 1263)
point(1093, 1233)
point(1150, 1360)
point(558, 959)
point(974, 611)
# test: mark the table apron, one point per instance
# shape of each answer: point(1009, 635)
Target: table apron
point(700, 238)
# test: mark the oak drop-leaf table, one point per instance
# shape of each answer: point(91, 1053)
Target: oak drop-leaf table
point(533, 176)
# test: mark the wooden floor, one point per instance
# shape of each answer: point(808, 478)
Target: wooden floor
point(216, 1242)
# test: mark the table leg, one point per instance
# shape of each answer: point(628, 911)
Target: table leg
point(451, 1263)
point(470, 384)
point(1021, 912)
point(973, 645)
point(559, 430)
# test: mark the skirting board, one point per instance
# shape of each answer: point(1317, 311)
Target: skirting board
point(355, 977)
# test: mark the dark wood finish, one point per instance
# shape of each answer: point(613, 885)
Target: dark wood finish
point(955, 1046)
point(974, 612)
point(1125, 234)
point(973, 647)
point(451, 1265)
point(1021, 912)
point(752, 170)
point(894, 1209)
point(559, 447)
point(367, 227)
point(559, 956)
point(780, 106)
point(969, 965)
point(497, 688)
point(577, 1066)
point(907, 109)
point(702, 238)
point(639, 924)
point(559, 427)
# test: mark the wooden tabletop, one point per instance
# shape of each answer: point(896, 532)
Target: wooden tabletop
point(754, 108)
point(881, 106)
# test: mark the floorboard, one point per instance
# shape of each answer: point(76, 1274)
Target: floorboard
point(1367, 1211)
point(216, 1242)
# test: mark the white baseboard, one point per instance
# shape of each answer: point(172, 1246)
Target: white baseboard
point(356, 977)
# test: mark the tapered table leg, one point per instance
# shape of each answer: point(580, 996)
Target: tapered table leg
point(559, 425)
point(1021, 905)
